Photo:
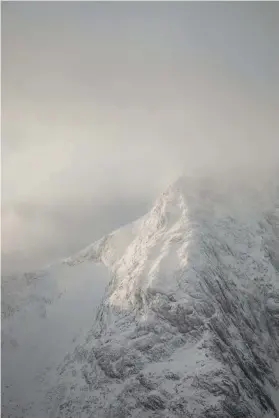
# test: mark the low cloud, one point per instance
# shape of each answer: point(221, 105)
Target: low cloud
point(93, 131)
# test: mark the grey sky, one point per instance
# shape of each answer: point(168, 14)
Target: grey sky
point(104, 104)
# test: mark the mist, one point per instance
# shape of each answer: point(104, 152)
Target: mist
point(105, 104)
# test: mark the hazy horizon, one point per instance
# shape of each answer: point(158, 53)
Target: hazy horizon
point(104, 104)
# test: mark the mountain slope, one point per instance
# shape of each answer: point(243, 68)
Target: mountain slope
point(190, 321)
point(44, 315)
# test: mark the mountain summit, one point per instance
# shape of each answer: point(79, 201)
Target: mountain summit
point(189, 323)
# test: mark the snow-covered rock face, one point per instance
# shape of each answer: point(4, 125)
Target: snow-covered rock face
point(189, 325)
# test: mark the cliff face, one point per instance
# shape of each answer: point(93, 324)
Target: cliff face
point(189, 324)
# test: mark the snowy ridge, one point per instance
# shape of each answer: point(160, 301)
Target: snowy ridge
point(189, 325)
point(108, 249)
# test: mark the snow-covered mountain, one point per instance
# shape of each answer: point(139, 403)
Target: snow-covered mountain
point(189, 323)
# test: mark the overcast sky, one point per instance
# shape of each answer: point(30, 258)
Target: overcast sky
point(105, 104)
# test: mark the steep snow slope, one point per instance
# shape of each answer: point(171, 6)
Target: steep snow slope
point(44, 315)
point(190, 321)
point(188, 326)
